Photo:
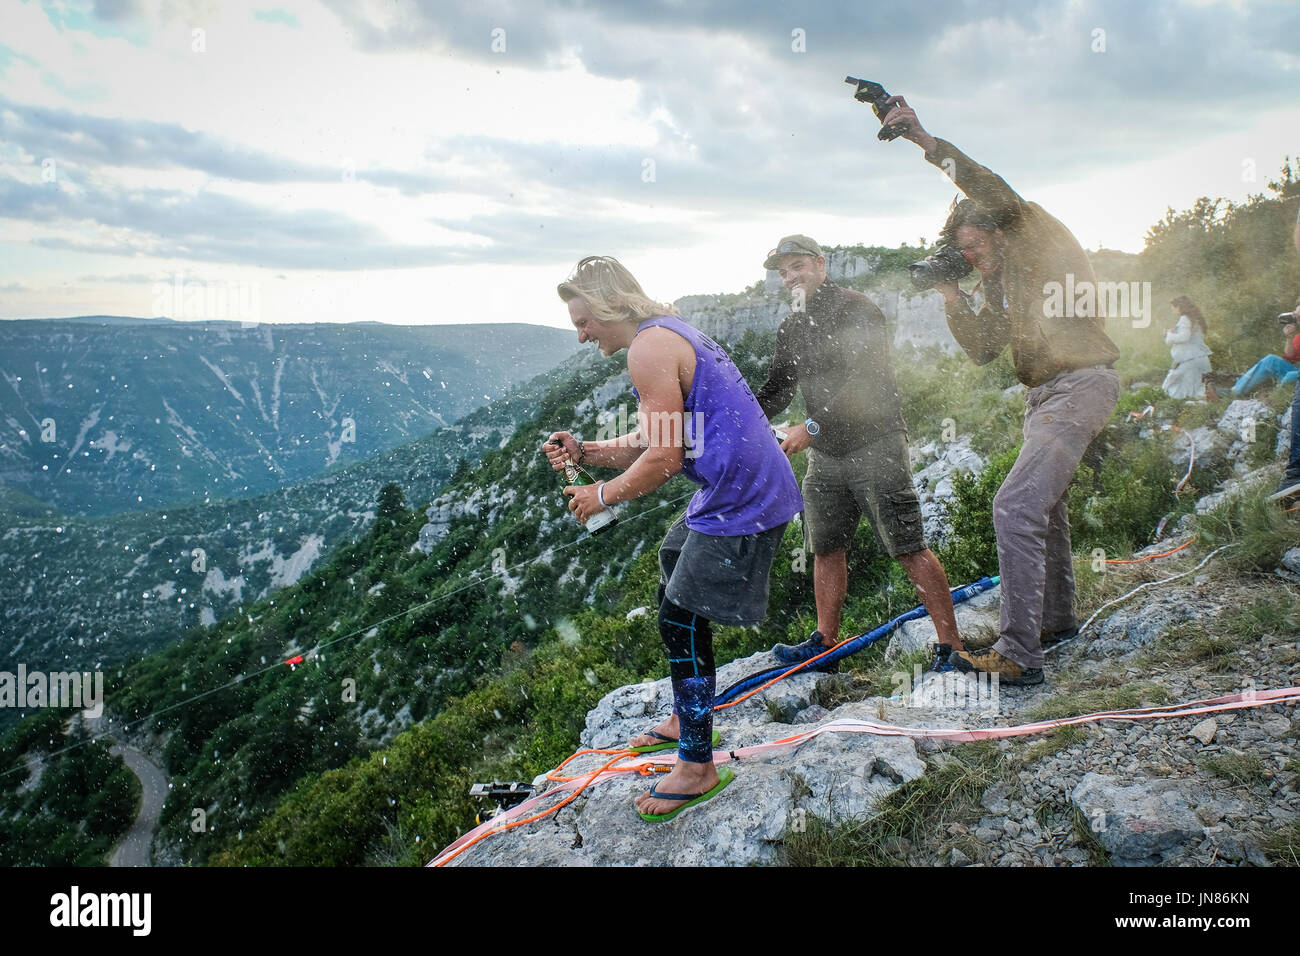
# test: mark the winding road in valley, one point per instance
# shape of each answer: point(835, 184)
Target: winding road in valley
point(134, 850)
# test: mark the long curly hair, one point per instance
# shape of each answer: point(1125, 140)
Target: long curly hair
point(610, 291)
point(1187, 307)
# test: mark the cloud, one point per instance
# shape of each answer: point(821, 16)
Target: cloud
point(115, 11)
point(1167, 70)
point(278, 16)
point(82, 137)
point(740, 107)
point(134, 278)
point(210, 226)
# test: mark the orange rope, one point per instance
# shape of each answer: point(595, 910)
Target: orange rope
point(554, 776)
point(642, 769)
point(1151, 557)
point(537, 816)
point(783, 676)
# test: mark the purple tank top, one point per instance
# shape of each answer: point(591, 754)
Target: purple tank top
point(729, 446)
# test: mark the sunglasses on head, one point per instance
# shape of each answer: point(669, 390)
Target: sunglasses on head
point(788, 248)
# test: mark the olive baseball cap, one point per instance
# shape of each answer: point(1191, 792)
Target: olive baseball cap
point(791, 246)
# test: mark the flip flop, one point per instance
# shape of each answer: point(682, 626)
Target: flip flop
point(669, 743)
point(725, 776)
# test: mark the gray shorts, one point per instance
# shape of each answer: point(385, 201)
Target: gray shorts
point(724, 579)
point(875, 480)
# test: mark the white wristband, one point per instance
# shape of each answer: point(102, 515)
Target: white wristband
point(600, 494)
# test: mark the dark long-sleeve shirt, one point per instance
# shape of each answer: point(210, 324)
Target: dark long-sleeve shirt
point(1039, 252)
point(838, 353)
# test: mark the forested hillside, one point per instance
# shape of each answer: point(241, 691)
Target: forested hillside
point(101, 592)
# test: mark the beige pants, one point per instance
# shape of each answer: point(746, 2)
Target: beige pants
point(1031, 509)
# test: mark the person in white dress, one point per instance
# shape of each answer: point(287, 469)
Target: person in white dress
point(1188, 350)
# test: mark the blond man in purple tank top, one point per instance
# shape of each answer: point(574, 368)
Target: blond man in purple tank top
point(716, 558)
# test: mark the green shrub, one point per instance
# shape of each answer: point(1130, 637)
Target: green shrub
point(971, 550)
point(1259, 531)
point(1118, 510)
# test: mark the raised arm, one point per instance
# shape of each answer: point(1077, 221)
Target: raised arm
point(978, 182)
point(658, 362)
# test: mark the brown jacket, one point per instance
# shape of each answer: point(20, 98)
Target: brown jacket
point(1039, 250)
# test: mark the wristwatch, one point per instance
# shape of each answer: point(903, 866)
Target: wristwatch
point(813, 428)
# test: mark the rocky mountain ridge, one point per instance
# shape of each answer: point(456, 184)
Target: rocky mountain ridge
point(99, 417)
point(915, 319)
point(1150, 789)
point(1199, 788)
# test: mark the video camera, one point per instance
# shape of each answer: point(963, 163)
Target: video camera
point(869, 91)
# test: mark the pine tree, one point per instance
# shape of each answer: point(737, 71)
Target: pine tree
point(391, 507)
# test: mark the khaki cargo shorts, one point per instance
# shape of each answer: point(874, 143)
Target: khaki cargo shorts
point(875, 480)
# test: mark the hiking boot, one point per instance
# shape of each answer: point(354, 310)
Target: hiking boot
point(940, 664)
point(1052, 638)
point(1288, 489)
point(798, 653)
point(991, 662)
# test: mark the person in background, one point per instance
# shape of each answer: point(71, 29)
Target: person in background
point(1272, 369)
point(1289, 488)
point(1290, 485)
point(697, 416)
point(1190, 354)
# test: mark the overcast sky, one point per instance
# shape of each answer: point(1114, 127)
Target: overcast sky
point(444, 161)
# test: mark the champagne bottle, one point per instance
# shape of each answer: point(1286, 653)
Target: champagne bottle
point(575, 474)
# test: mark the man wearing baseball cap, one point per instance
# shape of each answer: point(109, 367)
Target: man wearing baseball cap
point(834, 346)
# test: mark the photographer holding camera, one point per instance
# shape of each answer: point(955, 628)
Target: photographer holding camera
point(1066, 362)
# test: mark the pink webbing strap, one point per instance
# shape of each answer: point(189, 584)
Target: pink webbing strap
point(1258, 698)
point(1230, 702)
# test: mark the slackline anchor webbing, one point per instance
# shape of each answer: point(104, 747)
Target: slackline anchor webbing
point(849, 646)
